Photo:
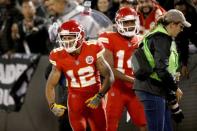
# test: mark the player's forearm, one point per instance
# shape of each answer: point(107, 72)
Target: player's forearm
point(50, 94)
point(52, 82)
point(107, 73)
point(109, 79)
point(121, 76)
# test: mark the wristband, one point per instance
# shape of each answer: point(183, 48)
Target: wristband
point(101, 95)
point(51, 105)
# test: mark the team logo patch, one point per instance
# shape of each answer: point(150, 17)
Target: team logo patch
point(89, 59)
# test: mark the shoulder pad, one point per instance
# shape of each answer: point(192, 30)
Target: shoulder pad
point(57, 49)
point(91, 42)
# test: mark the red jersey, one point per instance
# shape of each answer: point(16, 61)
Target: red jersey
point(122, 50)
point(149, 22)
point(121, 95)
point(79, 70)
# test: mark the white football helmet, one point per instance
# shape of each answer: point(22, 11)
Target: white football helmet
point(127, 14)
point(71, 28)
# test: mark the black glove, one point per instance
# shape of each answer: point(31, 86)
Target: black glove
point(178, 117)
point(177, 114)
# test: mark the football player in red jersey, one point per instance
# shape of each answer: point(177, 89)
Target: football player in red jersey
point(82, 63)
point(119, 48)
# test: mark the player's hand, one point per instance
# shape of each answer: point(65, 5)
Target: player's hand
point(58, 110)
point(94, 101)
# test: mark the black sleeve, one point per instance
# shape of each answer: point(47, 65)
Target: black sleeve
point(183, 48)
point(160, 48)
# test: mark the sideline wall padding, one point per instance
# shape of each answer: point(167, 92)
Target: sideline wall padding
point(34, 115)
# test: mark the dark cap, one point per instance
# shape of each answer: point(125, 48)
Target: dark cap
point(176, 16)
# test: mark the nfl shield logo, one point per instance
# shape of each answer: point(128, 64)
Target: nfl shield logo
point(89, 59)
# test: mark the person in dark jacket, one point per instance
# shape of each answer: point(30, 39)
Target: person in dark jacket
point(30, 34)
point(154, 91)
point(9, 14)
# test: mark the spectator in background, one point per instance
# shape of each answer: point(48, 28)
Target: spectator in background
point(47, 8)
point(61, 11)
point(40, 11)
point(166, 4)
point(8, 15)
point(188, 35)
point(195, 3)
point(65, 10)
point(115, 5)
point(128, 3)
point(30, 34)
point(104, 7)
point(149, 11)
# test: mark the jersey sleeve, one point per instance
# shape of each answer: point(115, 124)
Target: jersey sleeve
point(96, 48)
point(100, 50)
point(53, 59)
point(104, 39)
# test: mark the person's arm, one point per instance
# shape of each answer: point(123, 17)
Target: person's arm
point(52, 81)
point(118, 75)
point(106, 72)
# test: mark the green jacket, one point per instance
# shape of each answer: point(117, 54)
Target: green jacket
point(161, 52)
point(173, 64)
